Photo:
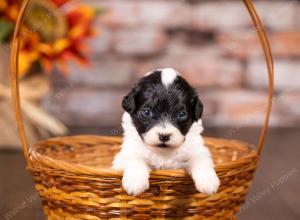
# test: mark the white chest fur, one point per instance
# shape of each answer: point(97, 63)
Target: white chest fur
point(138, 159)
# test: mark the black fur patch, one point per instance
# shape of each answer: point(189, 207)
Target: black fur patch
point(165, 103)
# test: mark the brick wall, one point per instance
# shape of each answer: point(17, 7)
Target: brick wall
point(213, 45)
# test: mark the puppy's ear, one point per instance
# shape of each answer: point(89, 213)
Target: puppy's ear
point(128, 102)
point(197, 108)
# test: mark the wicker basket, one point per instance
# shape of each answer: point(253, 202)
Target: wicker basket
point(74, 181)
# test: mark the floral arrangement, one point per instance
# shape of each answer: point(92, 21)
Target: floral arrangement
point(54, 32)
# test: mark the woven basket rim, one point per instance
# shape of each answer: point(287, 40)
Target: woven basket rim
point(43, 162)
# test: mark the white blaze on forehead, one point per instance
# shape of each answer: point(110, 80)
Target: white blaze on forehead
point(168, 75)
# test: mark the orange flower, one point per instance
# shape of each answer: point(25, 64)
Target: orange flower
point(35, 48)
point(28, 56)
point(60, 2)
point(9, 10)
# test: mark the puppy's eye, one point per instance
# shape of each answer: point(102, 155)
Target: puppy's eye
point(147, 113)
point(182, 115)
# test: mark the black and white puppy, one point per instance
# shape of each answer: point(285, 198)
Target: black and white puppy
point(162, 130)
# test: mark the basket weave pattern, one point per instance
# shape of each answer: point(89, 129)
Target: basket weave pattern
point(74, 179)
point(70, 180)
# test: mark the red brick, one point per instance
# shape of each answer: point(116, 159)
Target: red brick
point(245, 44)
point(286, 44)
point(286, 74)
point(288, 103)
point(203, 67)
point(278, 15)
point(102, 42)
point(239, 44)
point(86, 107)
point(236, 107)
point(210, 104)
point(164, 13)
point(230, 15)
point(145, 13)
point(139, 42)
point(212, 72)
point(221, 15)
point(103, 73)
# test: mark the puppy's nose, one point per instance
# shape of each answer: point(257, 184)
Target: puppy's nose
point(164, 137)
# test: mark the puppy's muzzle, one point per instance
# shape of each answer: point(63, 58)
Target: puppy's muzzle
point(164, 137)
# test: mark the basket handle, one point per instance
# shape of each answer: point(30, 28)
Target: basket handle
point(270, 66)
point(14, 80)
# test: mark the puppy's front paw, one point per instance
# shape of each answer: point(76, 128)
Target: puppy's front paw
point(206, 181)
point(135, 183)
